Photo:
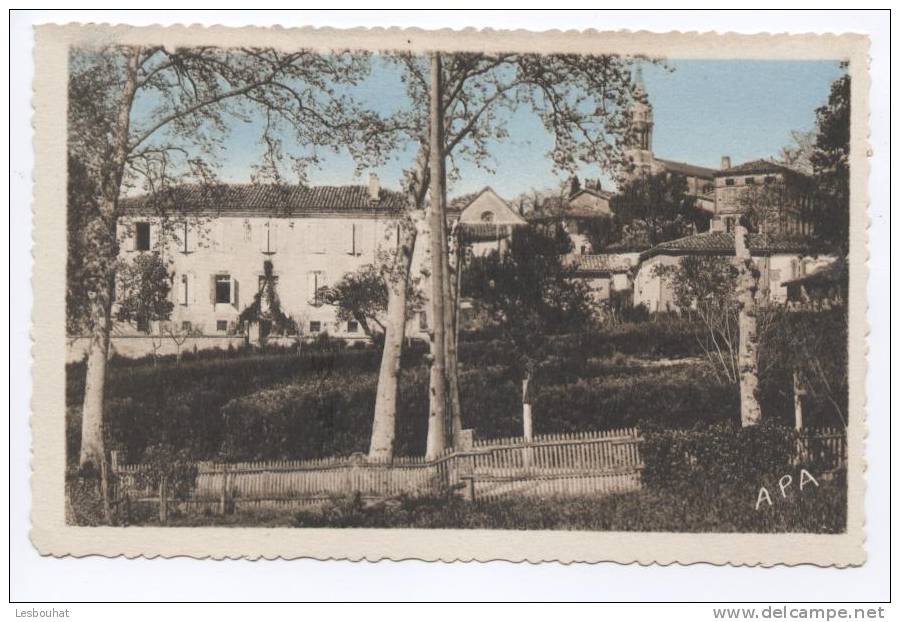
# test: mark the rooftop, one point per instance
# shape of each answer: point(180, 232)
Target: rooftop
point(721, 243)
point(755, 167)
point(604, 263)
point(690, 170)
point(266, 199)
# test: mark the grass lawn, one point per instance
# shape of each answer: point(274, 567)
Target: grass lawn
point(819, 509)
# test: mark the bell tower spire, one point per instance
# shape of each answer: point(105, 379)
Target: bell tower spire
point(640, 127)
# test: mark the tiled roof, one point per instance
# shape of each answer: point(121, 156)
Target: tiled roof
point(721, 243)
point(267, 199)
point(603, 263)
point(756, 167)
point(684, 168)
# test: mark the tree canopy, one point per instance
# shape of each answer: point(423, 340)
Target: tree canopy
point(657, 208)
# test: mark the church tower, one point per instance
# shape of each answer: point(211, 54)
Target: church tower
point(639, 149)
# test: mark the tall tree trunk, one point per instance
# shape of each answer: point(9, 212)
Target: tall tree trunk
point(92, 448)
point(397, 277)
point(748, 337)
point(436, 438)
point(92, 442)
point(381, 445)
point(450, 296)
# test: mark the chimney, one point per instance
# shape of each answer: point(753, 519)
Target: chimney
point(374, 187)
point(726, 162)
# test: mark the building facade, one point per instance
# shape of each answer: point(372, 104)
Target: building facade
point(217, 242)
point(767, 186)
point(485, 221)
point(779, 259)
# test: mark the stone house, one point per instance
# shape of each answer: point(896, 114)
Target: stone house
point(217, 240)
point(780, 259)
point(734, 185)
point(604, 273)
point(576, 211)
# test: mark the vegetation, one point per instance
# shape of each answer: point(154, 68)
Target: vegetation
point(652, 209)
point(143, 290)
point(250, 405)
point(831, 168)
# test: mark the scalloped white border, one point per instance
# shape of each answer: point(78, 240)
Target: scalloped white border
point(52, 536)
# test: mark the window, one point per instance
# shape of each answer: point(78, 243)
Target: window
point(769, 179)
point(143, 325)
point(729, 225)
point(142, 236)
point(221, 325)
point(223, 289)
point(729, 181)
point(749, 181)
point(183, 290)
point(353, 239)
point(315, 281)
point(352, 326)
point(423, 320)
point(186, 327)
point(270, 238)
point(187, 241)
point(487, 216)
point(583, 249)
point(315, 326)
point(248, 231)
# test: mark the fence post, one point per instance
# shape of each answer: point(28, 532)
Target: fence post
point(163, 499)
point(470, 488)
point(799, 392)
point(223, 497)
point(527, 424)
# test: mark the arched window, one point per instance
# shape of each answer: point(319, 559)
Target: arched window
point(487, 216)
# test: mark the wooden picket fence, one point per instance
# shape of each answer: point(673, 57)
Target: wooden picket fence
point(577, 464)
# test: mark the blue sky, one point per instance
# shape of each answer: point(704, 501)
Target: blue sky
point(703, 109)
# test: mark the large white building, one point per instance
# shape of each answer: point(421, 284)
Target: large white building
point(218, 239)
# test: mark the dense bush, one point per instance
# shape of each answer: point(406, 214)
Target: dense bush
point(669, 396)
point(318, 403)
point(721, 468)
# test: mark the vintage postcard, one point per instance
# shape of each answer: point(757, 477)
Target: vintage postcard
point(394, 294)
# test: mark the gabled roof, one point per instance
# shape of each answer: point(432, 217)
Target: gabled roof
point(721, 243)
point(460, 204)
point(599, 264)
point(600, 194)
point(755, 167)
point(266, 200)
point(690, 170)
